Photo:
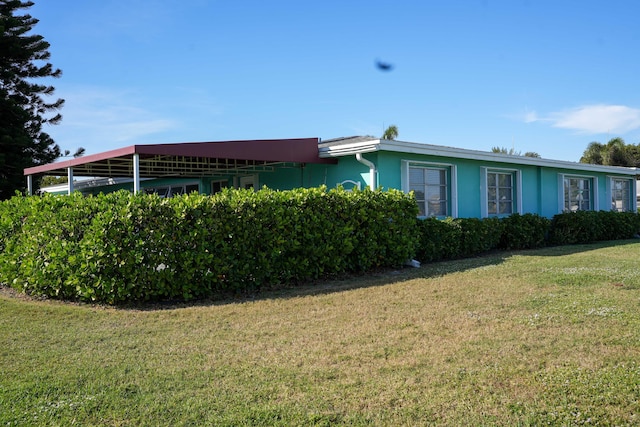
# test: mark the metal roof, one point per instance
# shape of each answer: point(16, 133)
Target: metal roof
point(190, 159)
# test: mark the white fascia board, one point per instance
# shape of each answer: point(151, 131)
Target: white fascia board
point(340, 150)
point(463, 153)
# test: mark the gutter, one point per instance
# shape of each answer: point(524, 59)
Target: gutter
point(372, 170)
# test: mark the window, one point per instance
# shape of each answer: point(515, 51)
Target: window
point(578, 194)
point(430, 187)
point(217, 186)
point(173, 190)
point(499, 193)
point(248, 182)
point(621, 195)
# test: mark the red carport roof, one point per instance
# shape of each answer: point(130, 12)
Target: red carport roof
point(189, 159)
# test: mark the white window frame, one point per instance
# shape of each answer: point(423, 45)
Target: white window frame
point(350, 185)
point(594, 190)
point(452, 175)
point(248, 180)
point(633, 205)
point(516, 190)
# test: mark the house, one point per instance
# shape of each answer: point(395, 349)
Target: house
point(446, 181)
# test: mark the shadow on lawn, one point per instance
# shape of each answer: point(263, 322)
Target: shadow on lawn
point(382, 277)
point(574, 249)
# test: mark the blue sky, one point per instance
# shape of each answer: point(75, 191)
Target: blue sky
point(533, 75)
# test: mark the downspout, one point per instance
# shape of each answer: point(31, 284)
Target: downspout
point(70, 180)
point(136, 173)
point(372, 170)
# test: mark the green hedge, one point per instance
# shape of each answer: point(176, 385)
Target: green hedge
point(459, 238)
point(591, 226)
point(117, 247)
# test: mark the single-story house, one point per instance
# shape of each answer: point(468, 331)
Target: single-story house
point(446, 181)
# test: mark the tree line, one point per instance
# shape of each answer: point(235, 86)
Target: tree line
point(614, 153)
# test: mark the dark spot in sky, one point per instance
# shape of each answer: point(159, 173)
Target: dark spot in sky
point(384, 66)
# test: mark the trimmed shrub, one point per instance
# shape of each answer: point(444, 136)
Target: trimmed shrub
point(117, 247)
point(526, 231)
point(453, 238)
point(592, 226)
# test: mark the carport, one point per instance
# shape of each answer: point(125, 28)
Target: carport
point(184, 160)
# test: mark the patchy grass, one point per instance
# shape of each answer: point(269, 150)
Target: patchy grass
point(527, 338)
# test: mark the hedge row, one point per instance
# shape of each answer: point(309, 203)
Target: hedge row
point(460, 237)
point(117, 247)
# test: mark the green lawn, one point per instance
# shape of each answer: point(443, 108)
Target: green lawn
point(529, 338)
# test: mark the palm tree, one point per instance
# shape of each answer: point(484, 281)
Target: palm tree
point(616, 153)
point(613, 153)
point(391, 133)
point(594, 154)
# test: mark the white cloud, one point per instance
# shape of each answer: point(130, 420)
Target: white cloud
point(592, 119)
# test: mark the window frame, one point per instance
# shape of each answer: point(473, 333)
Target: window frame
point(631, 197)
point(516, 190)
point(223, 183)
point(166, 190)
point(450, 177)
point(593, 181)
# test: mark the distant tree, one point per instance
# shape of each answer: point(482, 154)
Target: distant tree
point(633, 154)
point(613, 153)
point(513, 152)
point(508, 151)
point(616, 153)
point(390, 133)
point(594, 154)
point(23, 110)
point(53, 180)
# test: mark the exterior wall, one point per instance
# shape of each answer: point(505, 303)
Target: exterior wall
point(347, 169)
point(541, 188)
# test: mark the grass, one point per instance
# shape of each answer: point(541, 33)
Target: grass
point(545, 337)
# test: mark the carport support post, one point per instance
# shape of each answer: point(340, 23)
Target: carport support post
point(29, 185)
point(70, 180)
point(136, 173)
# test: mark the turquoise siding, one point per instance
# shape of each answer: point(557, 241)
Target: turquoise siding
point(541, 190)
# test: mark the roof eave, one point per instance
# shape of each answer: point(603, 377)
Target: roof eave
point(462, 153)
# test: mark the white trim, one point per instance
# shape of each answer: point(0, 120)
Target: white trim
point(632, 190)
point(372, 171)
point(356, 184)
point(517, 182)
point(452, 184)
point(70, 180)
point(595, 205)
point(252, 179)
point(136, 173)
point(329, 149)
point(484, 199)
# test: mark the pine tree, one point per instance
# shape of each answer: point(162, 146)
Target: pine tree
point(23, 110)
